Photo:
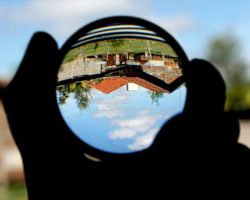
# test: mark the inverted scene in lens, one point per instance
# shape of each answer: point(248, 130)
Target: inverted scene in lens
point(118, 85)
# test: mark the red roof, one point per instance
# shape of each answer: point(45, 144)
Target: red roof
point(110, 84)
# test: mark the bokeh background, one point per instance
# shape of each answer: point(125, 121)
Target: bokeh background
point(215, 30)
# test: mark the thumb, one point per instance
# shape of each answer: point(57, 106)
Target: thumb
point(39, 62)
point(205, 88)
point(31, 90)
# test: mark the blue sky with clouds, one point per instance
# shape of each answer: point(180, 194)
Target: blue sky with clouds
point(122, 121)
point(192, 22)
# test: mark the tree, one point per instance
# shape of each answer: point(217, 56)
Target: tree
point(63, 94)
point(225, 53)
point(81, 91)
point(82, 94)
point(155, 96)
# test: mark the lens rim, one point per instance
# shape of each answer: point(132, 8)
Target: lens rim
point(88, 149)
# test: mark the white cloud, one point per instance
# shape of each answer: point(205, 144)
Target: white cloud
point(143, 141)
point(109, 113)
point(111, 103)
point(65, 16)
point(122, 133)
point(134, 127)
point(140, 122)
point(40, 11)
point(62, 18)
point(110, 108)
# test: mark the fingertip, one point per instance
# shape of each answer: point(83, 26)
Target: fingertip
point(204, 72)
point(199, 67)
point(39, 63)
point(41, 49)
point(42, 42)
point(40, 54)
point(199, 61)
point(41, 36)
point(205, 86)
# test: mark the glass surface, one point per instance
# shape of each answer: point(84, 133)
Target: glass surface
point(117, 87)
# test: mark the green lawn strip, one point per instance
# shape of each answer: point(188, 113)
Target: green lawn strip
point(126, 46)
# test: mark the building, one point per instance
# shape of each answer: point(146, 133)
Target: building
point(110, 84)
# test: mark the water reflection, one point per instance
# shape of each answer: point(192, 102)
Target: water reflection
point(115, 94)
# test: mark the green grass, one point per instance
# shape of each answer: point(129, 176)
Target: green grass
point(14, 192)
point(120, 46)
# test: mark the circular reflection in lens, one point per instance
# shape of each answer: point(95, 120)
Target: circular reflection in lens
point(118, 85)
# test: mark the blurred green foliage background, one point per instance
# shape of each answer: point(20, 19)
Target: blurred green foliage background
point(224, 51)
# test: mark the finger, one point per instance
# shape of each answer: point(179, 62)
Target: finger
point(205, 87)
point(27, 98)
point(38, 64)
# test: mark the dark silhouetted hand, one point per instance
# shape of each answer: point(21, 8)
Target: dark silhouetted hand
point(203, 137)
